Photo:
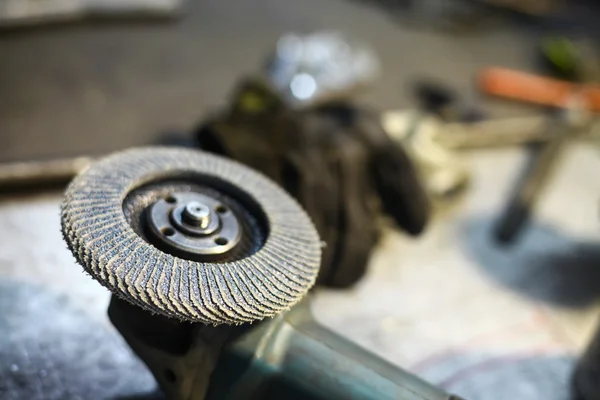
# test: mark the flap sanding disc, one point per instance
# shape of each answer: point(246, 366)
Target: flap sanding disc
point(108, 209)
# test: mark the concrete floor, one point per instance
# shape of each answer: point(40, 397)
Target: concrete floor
point(480, 322)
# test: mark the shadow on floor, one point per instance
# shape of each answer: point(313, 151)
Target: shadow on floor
point(545, 264)
point(507, 376)
point(51, 349)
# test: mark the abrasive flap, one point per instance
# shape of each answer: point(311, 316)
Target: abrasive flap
point(260, 285)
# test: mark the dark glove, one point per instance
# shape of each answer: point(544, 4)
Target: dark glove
point(336, 160)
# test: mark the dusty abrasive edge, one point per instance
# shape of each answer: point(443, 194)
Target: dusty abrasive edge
point(260, 285)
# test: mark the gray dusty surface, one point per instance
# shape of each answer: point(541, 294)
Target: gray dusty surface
point(476, 320)
point(52, 348)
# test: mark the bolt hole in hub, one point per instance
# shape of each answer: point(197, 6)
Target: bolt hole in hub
point(168, 231)
point(221, 241)
point(221, 209)
point(193, 223)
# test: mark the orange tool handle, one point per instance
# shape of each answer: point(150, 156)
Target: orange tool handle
point(530, 88)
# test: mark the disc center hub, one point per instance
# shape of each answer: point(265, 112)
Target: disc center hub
point(194, 217)
point(196, 214)
point(193, 223)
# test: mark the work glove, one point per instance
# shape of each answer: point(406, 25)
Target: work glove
point(335, 159)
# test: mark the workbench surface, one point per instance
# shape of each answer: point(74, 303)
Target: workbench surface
point(480, 322)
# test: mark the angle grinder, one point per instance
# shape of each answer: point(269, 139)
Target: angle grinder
point(209, 263)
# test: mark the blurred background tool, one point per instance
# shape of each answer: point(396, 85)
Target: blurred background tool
point(320, 67)
point(297, 122)
point(529, 88)
point(492, 133)
point(36, 176)
point(497, 133)
point(25, 13)
point(444, 174)
point(566, 59)
point(335, 158)
point(543, 160)
point(575, 101)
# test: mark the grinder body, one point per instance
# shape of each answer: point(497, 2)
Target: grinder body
point(287, 357)
point(210, 264)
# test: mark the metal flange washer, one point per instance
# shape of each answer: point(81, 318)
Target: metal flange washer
point(190, 235)
point(194, 224)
